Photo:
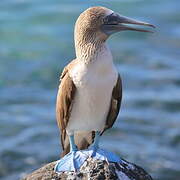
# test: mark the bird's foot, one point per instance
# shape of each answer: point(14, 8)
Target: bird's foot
point(102, 154)
point(71, 162)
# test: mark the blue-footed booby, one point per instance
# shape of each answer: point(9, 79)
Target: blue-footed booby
point(90, 91)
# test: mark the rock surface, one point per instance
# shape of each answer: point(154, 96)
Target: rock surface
point(92, 170)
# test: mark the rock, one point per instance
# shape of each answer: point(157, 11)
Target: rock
point(93, 170)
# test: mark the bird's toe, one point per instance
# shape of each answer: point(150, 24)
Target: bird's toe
point(71, 162)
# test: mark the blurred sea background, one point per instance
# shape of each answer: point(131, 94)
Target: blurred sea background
point(37, 42)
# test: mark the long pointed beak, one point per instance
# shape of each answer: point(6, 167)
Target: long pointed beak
point(116, 22)
point(122, 20)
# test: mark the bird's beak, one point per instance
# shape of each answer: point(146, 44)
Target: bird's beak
point(115, 23)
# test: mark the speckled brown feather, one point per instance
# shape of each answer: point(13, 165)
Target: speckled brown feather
point(87, 29)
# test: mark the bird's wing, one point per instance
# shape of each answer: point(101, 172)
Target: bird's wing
point(114, 104)
point(64, 105)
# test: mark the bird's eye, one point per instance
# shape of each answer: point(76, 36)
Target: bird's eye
point(105, 20)
point(110, 19)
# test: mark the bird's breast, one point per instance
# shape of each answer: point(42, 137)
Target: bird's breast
point(99, 70)
point(94, 83)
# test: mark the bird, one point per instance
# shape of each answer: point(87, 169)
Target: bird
point(90, 91)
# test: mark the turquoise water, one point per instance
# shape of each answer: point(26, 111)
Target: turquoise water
point(36, 43)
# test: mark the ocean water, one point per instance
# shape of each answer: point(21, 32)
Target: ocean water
point(37, 42)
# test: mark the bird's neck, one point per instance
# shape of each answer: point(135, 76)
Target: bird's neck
point(89, 47)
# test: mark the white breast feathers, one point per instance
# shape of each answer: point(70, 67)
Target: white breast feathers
point(94, 82)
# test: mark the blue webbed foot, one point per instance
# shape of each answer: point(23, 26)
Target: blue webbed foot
point(71, 162)
point(102, 154)
point(75, 159)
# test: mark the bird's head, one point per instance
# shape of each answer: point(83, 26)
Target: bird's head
point(98, 23)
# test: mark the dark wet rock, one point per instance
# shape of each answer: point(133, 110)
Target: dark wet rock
point(92, 170)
